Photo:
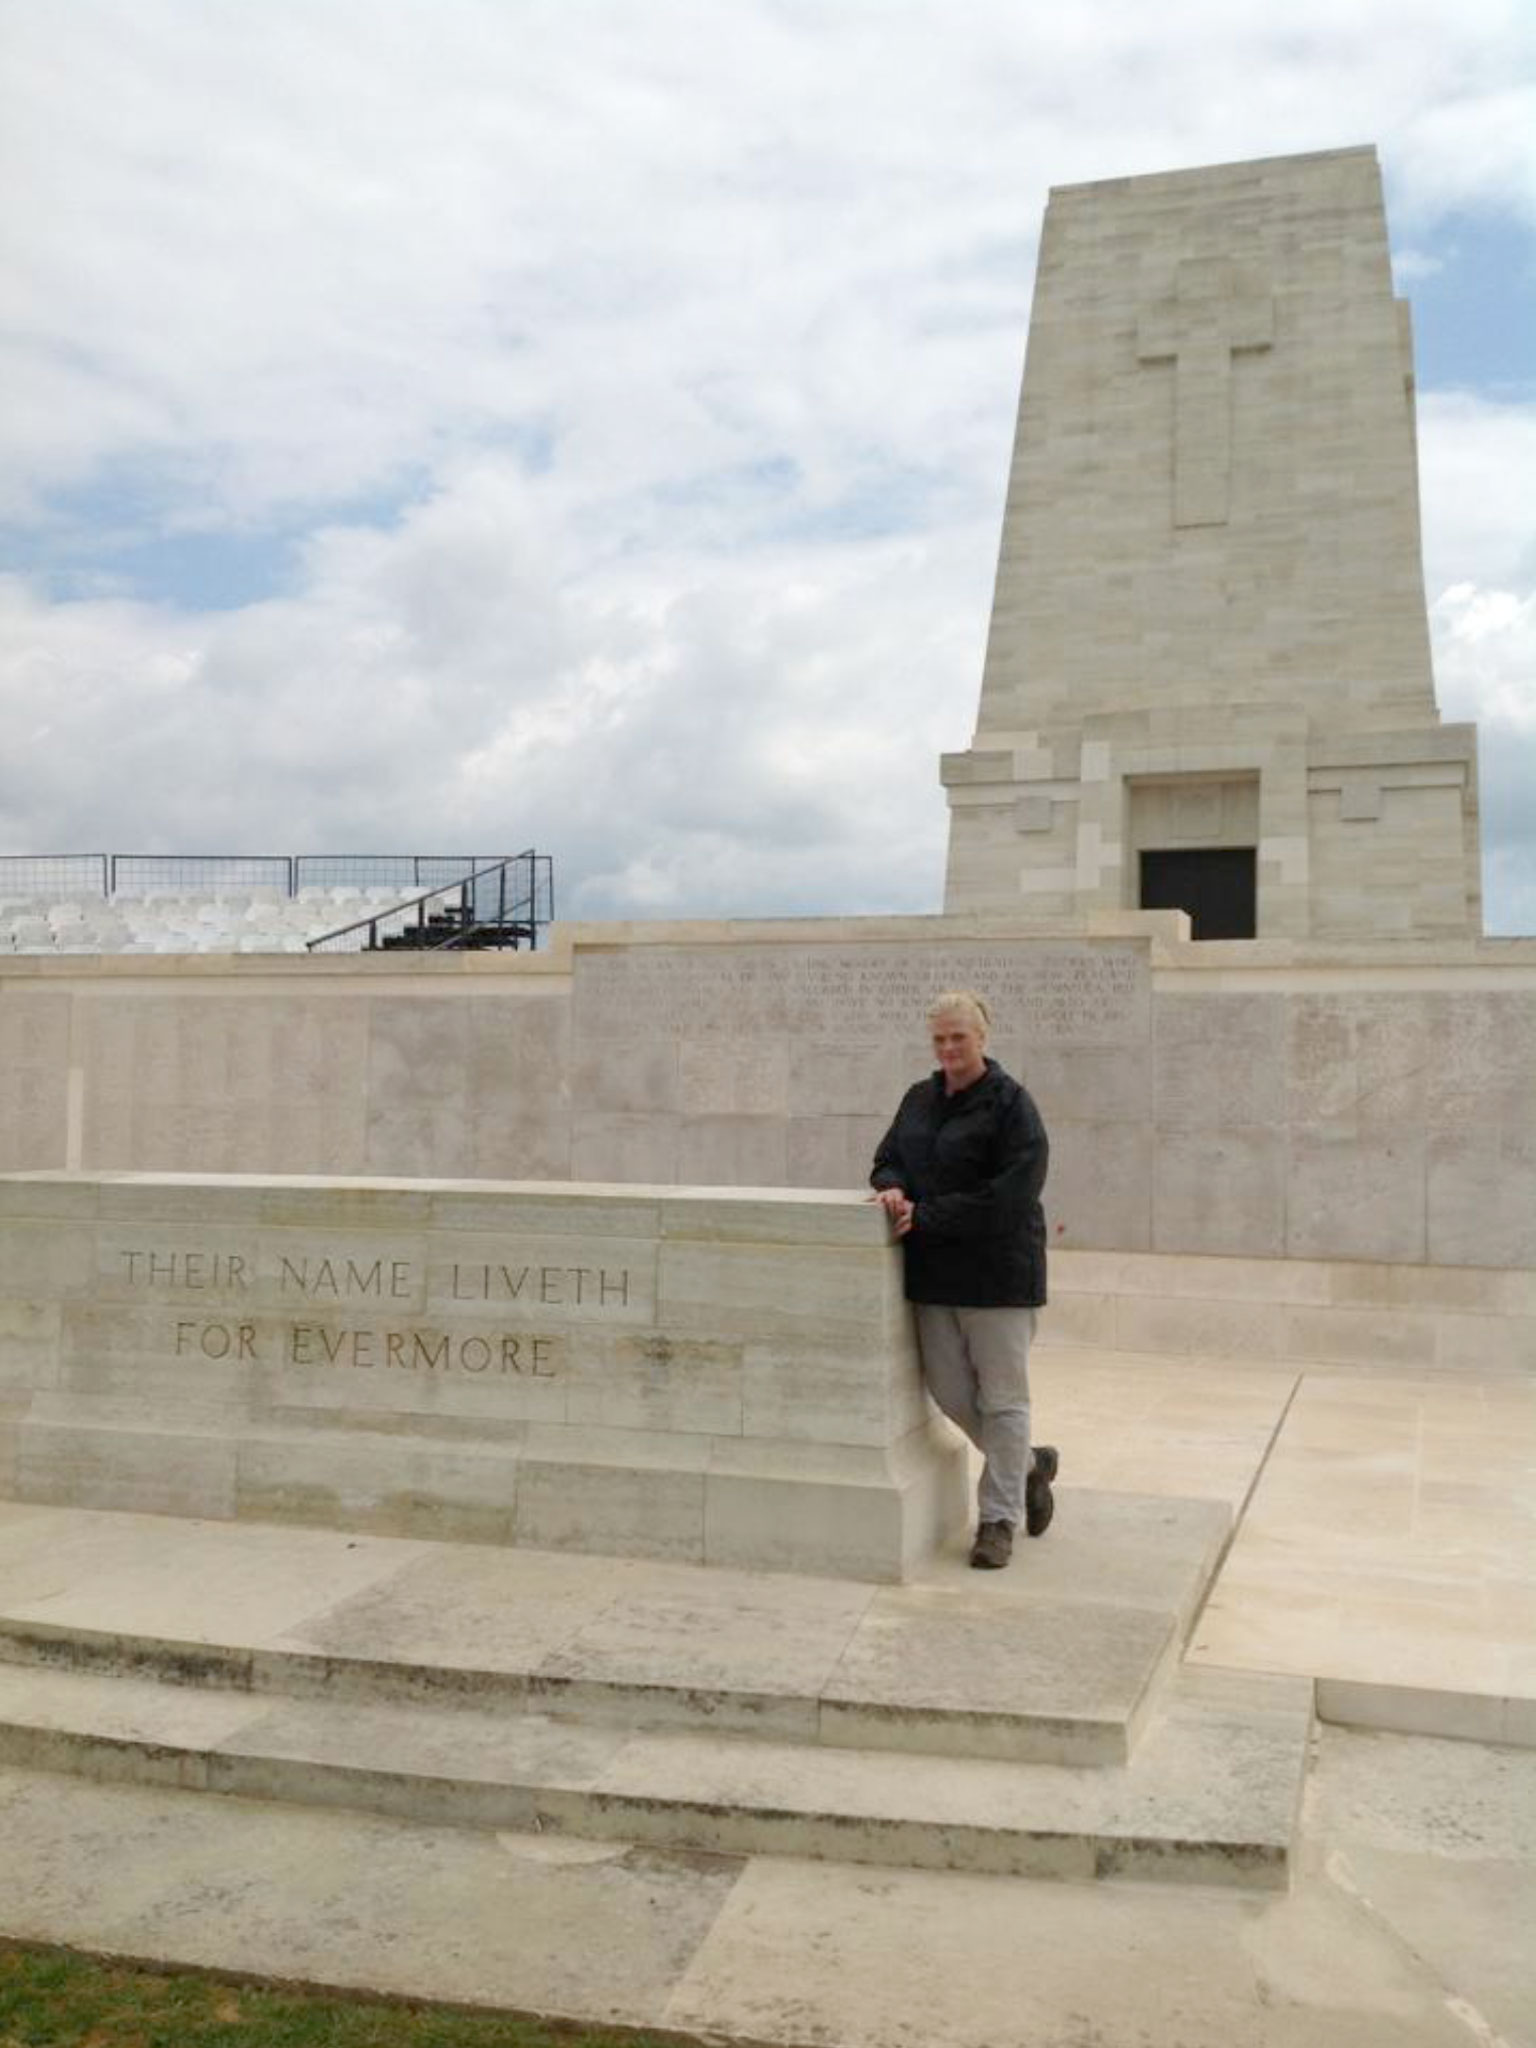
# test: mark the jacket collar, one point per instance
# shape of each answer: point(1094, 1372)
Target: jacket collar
point(977, 1088)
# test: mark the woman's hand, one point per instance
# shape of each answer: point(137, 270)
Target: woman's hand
point(896, 1205)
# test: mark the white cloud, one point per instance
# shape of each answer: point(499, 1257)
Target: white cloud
point(673, 370)
point(1476, 459)
point(1408, 265)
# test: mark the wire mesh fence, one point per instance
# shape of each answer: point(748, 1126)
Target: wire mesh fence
point(198, 874)
point(24, 876)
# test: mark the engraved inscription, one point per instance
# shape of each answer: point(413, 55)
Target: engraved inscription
point(337, 1279)
point(332, 1278)
point(191, 1270)
point(269, 1307)
point(1046, 994)
point(552, 1286)
point(520, 1353)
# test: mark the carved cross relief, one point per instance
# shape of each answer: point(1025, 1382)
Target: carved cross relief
point(1214, 313)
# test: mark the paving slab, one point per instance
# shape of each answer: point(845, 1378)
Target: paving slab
point(351, 1900)
point(465, 1607)
point(724, 1634)
point(1081, 1676)
point(1389, 1551)
point(193, 1580)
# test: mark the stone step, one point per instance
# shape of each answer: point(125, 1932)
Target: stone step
point(1072, 1686)
point(1212, 1795)
point(1058, 1661)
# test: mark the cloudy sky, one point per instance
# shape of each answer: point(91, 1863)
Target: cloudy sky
point(454, 425)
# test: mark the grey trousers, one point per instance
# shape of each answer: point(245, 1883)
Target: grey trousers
point(976, 1365)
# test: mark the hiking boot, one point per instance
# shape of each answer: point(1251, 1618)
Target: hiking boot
point(993, 1546)
point(1039, 1501)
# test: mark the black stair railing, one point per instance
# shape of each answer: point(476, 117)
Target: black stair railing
point(502, 905)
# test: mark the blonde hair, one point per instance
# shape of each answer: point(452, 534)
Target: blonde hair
point(961, 1002)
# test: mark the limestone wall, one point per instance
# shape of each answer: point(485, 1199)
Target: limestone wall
point(1260, 1101)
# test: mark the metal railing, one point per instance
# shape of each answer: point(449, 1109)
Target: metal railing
point(195, 874)
point(25, 875)
point(107, 874)
point(502, 904)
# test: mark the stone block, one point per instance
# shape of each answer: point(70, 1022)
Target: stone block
point(1218, 1060)
point(717, 1078)
point(639, 1080)
point(388, 1485)
point(130, 1361)
point(1100, 1188)
point(613, 1147)
point(1182, 1326)
point(29, 1344)
point(632, 1510)
point(143, 1470)
point(1482, 1197)
point(12, 1411)
point(519, 1095)
point(1223, 1278)
point(646, 1380)
point(732, 1151)
point(547, 1208)
point(757, 1289)
point(1434, 1290)
point(1219, 1190)
point(1034, 814)
point(783, 1524)
point(836, 1078)
point(34, 1080)
point(45, 1260)
point(49, 1195)
point(1356, 1196)
point(832, 1151)
point(1358, 1060)
point(1487, 1343)
point(1351, 1336)
point(1078, 1319)
point(802, 1389)
point(1081, 1083)
point(1481, 1062)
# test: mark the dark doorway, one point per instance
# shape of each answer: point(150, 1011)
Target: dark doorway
point(1217, 885)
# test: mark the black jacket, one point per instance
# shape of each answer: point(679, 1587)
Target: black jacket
point(974, 1163)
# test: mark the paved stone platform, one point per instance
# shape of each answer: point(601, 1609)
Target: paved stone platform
point(754, 1876)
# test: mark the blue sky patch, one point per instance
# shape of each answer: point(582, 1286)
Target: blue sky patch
point(1474, 318)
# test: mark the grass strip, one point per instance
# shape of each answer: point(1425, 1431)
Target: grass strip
point(51, 1998)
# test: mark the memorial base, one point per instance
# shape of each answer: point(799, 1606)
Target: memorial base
point(710, 1376)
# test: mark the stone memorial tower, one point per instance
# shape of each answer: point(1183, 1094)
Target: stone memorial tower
point(1208, 679)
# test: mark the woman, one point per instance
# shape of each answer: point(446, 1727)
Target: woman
point(959, 1173)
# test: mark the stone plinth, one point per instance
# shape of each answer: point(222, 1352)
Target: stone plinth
point(712, 1376)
